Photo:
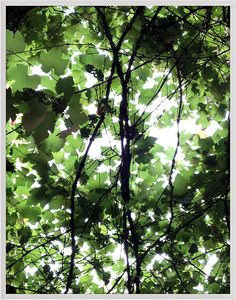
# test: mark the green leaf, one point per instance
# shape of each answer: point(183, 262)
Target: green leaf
point(69, 164)
point(41, 132)
point(11, 110)
point(22, 190)
point(21, 79)
point(14, 41)
point(144, 158)
point(11, 219)
point(66, 86)
point(146, 96)
point(144, 73)
point(214, 288)
point(105, 277)
point(59, 157)
point(99, 290)
point(180, 185)
point(57, 202)
point(19, 265)
point(53, 59)
point(145, 144)
point(53, 143)
point(183, 236)
point(206, 143)
point(76, 113)
point(32, 213)
point(48, 217)
point(49, 83)
point(95, 60)
point(209, 244)
point(119, 265)
point(35, 116)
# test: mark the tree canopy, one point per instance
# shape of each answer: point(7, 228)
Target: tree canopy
point(117, 142)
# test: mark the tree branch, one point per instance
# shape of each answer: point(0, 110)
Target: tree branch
point(72, 205)
point(178, 142)
point(116, 282)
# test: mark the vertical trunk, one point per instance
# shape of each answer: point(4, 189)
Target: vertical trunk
point(129, 234)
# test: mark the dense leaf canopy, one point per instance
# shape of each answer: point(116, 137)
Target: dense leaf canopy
point(117, 150)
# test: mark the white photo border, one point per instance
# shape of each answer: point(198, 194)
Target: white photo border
point(232, 4)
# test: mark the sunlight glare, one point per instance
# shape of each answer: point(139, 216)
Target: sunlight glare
point(211, 262)
point(69, 10)
point(37, 70)
point(30, 270)
point(211, 129)
point(90, 80)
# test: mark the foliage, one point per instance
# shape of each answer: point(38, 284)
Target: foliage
point(97, 200)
